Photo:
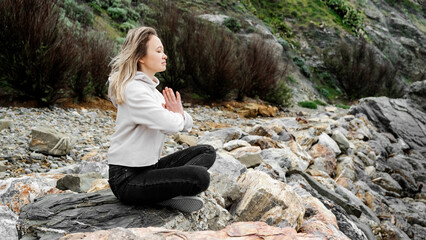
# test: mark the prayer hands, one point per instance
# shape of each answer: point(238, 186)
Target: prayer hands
point(173, 103)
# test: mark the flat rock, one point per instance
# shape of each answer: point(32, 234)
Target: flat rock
point(53, 216)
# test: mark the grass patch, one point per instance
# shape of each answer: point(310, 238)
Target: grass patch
point(308, 104)
point(343, 106)
point(319, 102)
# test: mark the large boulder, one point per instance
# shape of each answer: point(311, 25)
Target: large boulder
point(56, 215)
point(398, 117)
point(266, 199)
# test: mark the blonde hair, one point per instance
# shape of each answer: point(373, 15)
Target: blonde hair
point(125, 64)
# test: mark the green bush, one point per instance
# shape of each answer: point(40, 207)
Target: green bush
point(351, 16)
point(325, 92)
point(78, 12)
point(233, 24)
point(126, 26)
point(280, 95)
point(308, 104)
point(117, 13)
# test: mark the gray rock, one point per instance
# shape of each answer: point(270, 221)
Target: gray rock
point(37, 156)
point(53, 216)
point(279, 156)
point(84, 167)
point(227, 165)
point(273, 169)
point(342, 141)
point(250, 159)
point(355, 201)
point(390, 231)
point(345, 168)
point(387, 182)
point(323, 191)
point(366, 160)
point(261, 141)
point(4, 124)
point(416, 94)
point(327, 141)
point(49, 141)
point(214, 18)
point(233, 144)
point(225, 187)
point(260, 130)
point(8, 220)
point(398, 117)
point(219, 137)
point(268, 200)
point(78, 182)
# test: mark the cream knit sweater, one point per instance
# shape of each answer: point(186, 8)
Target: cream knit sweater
point(142, 123)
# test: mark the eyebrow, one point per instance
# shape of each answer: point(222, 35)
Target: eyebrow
point(159, 47)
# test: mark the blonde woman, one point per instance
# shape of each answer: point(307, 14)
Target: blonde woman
point(137, 174)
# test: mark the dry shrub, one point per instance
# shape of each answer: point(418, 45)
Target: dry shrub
point(37, 56)
point(212, 61)
point(260, 69)
point(361, 71)
point(42, 59)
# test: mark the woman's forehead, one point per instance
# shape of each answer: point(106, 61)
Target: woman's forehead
point(155, 42)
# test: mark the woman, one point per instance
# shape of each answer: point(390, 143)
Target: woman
point(137, 175)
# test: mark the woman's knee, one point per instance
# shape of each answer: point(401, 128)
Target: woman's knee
point(209, 154)
point(200, 177)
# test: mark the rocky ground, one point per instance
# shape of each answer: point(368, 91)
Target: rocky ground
point(330, 174)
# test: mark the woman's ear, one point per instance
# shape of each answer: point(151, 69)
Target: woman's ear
point(141, 61)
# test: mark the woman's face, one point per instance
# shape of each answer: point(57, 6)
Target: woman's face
point(155, 60)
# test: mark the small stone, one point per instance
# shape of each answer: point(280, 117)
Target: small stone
point(4, 123)
point(185, 139)
point(28, 171)
point(233, 144)
point(3, 168)
point(37, 156)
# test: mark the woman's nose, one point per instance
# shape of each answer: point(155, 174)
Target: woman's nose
point(165, 56)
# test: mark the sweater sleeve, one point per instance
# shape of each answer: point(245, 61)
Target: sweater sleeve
point(188, 122)
point(145, 110)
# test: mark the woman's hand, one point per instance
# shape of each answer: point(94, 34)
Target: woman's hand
point(173, 103)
